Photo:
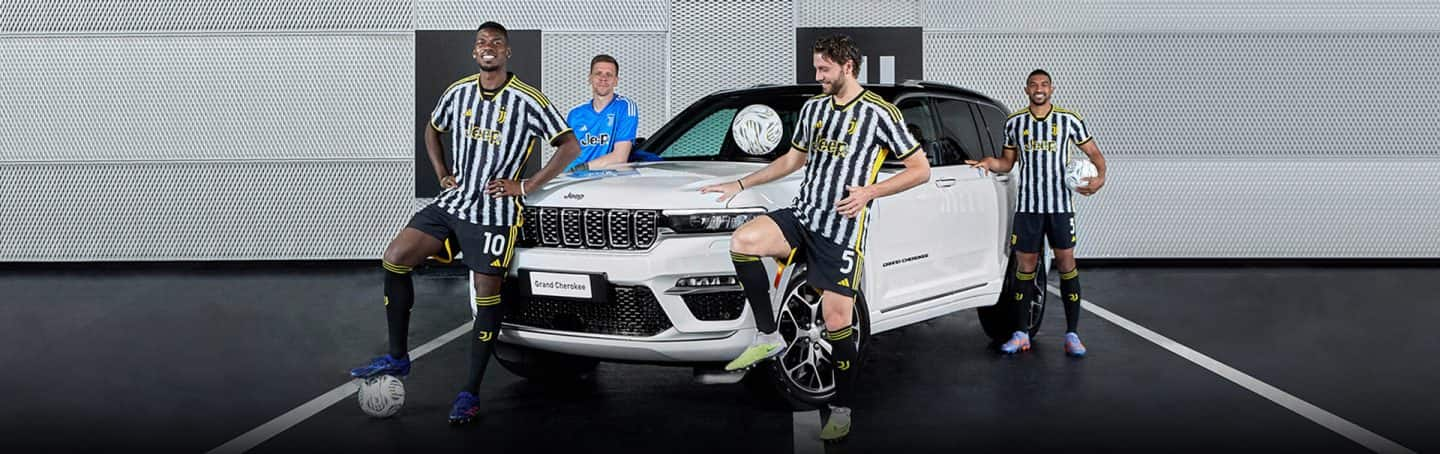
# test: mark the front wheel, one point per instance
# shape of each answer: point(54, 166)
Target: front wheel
point(804, 376)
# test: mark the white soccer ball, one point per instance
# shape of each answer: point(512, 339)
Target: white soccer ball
point(757, 129)
point(1077, 169)
point(382, 396)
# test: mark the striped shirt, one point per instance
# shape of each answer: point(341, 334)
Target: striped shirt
point(1044, 146)
point(491, 135)
point(845, 145)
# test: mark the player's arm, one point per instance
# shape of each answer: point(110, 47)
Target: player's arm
point(567, 148)
point(1002, 164)
point(917, 171)
point(437, 157)
point(780, 167)
point(1095, 182)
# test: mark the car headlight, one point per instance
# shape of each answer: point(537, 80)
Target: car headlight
point(710, 221)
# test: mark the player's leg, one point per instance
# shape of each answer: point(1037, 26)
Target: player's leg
point(422, 238)
point(1063, 239)
point(488, 251)
point(838, 310)
point(1026, 241)
point(764, 236)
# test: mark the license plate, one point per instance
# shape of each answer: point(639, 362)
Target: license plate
point(563, 285)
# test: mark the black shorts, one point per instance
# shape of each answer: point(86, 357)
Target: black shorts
point(1031, 230)
point(488, 248)
point(831, 266)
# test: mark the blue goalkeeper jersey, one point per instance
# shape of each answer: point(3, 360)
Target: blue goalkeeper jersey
point(598, 132)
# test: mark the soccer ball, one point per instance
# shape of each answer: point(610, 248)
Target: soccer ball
point(1077, 169)
point(757, 129)
point(382, 396)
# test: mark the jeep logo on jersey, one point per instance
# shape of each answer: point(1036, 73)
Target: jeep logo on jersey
point(887, 54)
point(443, 57)
point(595, 140)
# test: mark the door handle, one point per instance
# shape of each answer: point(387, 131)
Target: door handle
point(944, 182)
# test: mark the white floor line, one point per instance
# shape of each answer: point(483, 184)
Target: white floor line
point(807, 433)
point(254, 437)
point(1347, 429)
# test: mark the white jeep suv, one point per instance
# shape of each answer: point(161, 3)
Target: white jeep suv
point(631, 263)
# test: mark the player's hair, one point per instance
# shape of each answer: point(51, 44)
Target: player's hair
point(607, 59)
point(1039, 72)
point(491, 25)
point(839, 49)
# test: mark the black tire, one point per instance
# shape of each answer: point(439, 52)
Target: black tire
point(998, 320)
point(543, 366)
point(810, 382)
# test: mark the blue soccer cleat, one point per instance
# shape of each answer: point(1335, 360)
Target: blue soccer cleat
point(383, 365)
point(466, 407)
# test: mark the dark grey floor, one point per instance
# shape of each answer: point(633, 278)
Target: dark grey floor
point(186, 357)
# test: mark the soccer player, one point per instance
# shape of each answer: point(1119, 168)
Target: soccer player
point(606, 123)
point(492, 124)
point(841, 138)
point(1041, 137)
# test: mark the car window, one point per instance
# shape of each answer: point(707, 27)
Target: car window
point(994, 121)
point(703, 132)
point(960, 126)
point(921, 123)
point(705, 138)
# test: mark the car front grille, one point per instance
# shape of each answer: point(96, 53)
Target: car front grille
point(715, 306)
point(630, 311)
point(589, 228)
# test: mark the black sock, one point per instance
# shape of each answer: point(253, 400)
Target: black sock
point(1070, 292)
point(482, 339)
point(843, 354)
point(750, 271)
point(399, 299)
point(1024, 292)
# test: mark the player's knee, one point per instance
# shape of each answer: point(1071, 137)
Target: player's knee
point(747, 241)
point(837, 316)
point(1027, 261)
point(486, 284)
point(397, 255)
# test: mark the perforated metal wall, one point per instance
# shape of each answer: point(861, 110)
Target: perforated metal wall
point(1170, 16)
point(1276, 207)
point(201, 211)
point(236, 97)
point(550, 16)
point(642, 57)
point(858, 13)
point(83, 16)
point(724, 45)
point(1237, 94)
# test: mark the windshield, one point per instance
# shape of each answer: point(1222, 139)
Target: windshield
point(703, 132)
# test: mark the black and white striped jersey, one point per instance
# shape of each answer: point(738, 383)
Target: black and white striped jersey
point(845, 146)
point(490, 136)
point(1043, 146)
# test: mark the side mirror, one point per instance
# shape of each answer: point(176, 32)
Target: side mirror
point(638, 142)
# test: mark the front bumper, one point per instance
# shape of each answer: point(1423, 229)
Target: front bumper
point(688, 332)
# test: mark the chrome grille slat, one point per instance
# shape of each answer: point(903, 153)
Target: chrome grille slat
point(590, 228)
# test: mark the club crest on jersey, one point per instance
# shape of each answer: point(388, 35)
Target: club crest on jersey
point(469, 113)
point(485, 135)
point(610, 120)
point(501, 118)
point(850, 130)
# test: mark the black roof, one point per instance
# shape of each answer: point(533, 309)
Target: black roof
point(887, 91)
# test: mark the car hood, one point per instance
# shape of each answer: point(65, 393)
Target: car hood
point(657, 185)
